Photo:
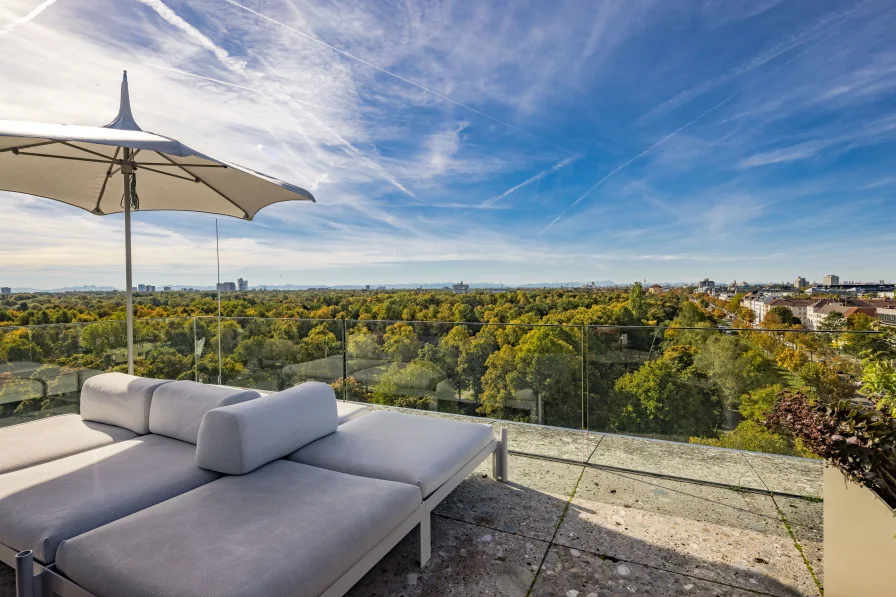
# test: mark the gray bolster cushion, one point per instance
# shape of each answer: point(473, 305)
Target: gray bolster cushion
point(238, 439)
point(119, 399)
point(178, 407)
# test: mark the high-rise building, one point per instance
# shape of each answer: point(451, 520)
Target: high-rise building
point(831, 280)
point(141, 287)
point(226, 286)
point(6, 290)
point(166, 288)
point(150, 288)
point(461, 288)
point(800, 283)
point(242, 285)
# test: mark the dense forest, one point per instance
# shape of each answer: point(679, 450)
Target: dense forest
point(673, 365)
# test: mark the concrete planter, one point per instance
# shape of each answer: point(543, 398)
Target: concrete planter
point(859, 539)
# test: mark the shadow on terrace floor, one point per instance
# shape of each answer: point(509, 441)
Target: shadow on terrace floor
point(564, 530)
point(619, 535)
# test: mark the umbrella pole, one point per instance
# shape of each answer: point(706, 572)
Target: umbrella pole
point(126, 169)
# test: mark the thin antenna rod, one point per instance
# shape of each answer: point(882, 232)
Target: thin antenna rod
point(218, 255)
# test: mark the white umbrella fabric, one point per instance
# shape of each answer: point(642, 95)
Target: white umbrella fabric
point(120, 168)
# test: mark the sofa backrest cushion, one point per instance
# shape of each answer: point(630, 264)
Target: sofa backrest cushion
point(238, 439)
point(119, 399)
point(177, 408)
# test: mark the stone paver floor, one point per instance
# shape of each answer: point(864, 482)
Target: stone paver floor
point(562, 529)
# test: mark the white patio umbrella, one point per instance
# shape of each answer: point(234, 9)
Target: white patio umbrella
point(120, 168)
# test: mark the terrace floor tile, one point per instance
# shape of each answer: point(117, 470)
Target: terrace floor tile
point(570, 572)
point(806, 520)
point(530, 505)
point(689, 461)
point(467, 560)
point(719, 535)
point(800, 476)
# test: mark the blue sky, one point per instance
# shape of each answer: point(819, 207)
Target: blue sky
point(509, 142)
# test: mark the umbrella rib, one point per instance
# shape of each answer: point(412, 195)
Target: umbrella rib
point(106, 181)
point(179, 166)
point(228, 199)
point(63, 157)
point(16, 149)
point(96, 153)
point(143, 167)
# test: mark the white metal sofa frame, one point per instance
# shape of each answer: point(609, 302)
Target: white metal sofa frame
point(49, 582)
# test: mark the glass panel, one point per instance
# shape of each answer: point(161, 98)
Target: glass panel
point(42, 368)
point(523, 373)
point(163, 349)
point(710, 386)
point(272, 354)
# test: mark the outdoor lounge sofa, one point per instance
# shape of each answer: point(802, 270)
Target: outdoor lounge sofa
point(42, 505)
point(348, 411)
point(433, 454)
point(114, 408)
point(271, 526)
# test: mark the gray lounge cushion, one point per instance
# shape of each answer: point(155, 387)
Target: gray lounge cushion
point(177, 407)
point(119, 399)
point(285, 530)
point(418, 450)
point(348, 411)
point(49, 439)
point(45, 504)
point(240, 438)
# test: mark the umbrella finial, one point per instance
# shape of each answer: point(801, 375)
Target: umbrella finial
point(125, 119)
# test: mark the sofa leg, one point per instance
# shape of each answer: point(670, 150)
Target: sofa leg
point(424, 536)
point(25, 574)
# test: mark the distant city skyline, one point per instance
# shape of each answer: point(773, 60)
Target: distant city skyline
point(243, 285)
point(528, 142)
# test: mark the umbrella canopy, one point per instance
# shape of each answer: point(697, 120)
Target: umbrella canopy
point(120, 167)
point(82, 165)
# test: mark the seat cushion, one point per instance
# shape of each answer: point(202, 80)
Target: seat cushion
point(42, 505)
point(285, 530)
point(177, 407)
point(418, 450)
point(348, 411)
point(49, 439)
point(119, 399)
point(238, 439)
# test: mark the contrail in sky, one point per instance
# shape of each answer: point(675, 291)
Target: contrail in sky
point(670, 135)
point(31, 15)
point(390, 73)
point(172, 18)
point(278, 96)
point(347, 147)
point(640, 155)
point(538, 176)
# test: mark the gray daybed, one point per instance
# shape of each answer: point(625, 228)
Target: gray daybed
point(114, 408)
point(433, 454)
point(42, 505)
point(272, 527)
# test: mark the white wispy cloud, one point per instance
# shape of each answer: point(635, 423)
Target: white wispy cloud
point(171, 17)
point(385, 71)
point(399, 170)
point(28, 17)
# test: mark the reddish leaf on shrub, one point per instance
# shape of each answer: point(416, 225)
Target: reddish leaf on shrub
point(858, 439)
